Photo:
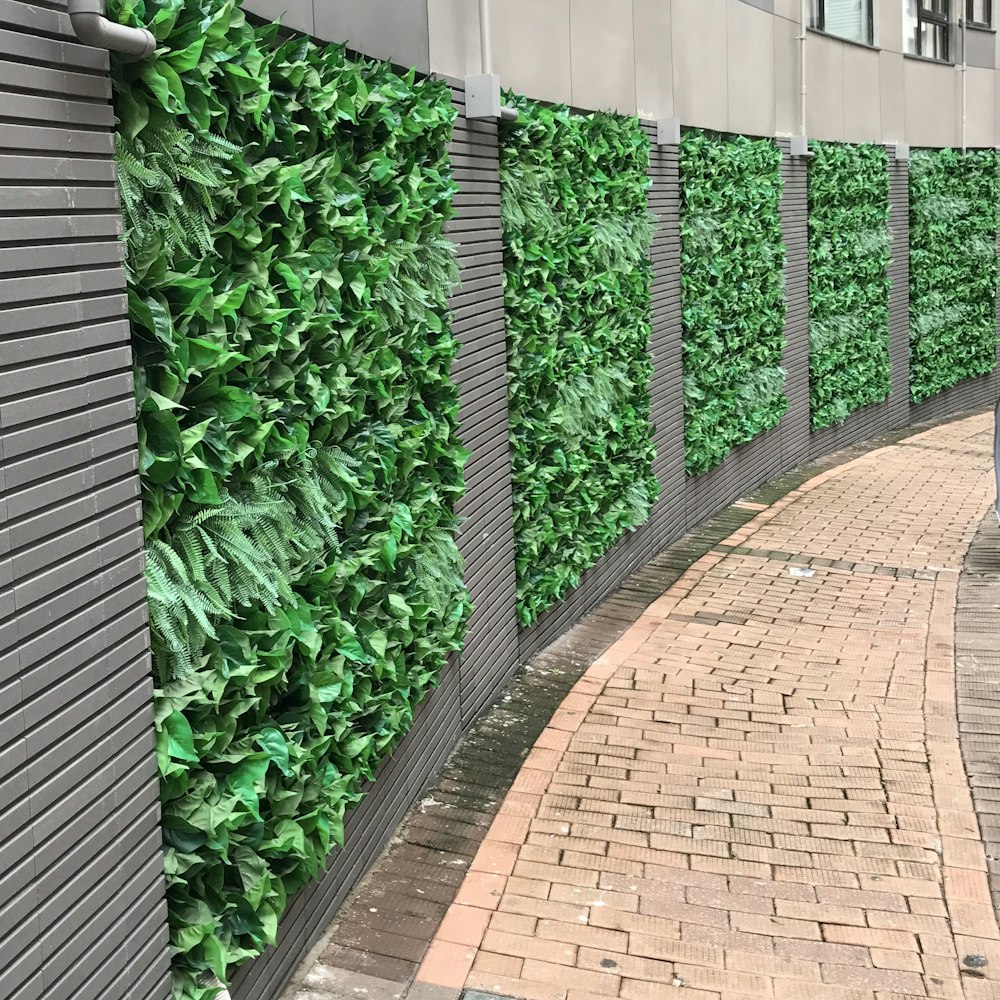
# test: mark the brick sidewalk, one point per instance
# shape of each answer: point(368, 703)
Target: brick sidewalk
point(758, 792)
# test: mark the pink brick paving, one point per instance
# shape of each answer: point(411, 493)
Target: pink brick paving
point(758, 792)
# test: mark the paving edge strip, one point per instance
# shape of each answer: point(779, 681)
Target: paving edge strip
point(977, 681)
point(381, 934)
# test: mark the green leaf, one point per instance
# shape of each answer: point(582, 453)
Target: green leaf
point(180, 739)
point(165, 85)
point(273, 742)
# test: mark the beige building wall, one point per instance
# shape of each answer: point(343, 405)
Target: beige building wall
point(731, 65)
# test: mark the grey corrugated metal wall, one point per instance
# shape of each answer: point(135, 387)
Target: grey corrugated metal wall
point(82, 912)
point(486, 540)
point(667, 385)
point(899, 293)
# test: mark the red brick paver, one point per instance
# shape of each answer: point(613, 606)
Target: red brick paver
point(758, 792)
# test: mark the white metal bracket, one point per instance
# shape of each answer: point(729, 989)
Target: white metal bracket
point(482, 98)
point(668, 132)
point(799, 147)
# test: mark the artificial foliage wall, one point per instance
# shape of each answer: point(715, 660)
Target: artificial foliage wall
point(953, 267)
point(848, 280)
point(297, 432)
point(577, 231)
point(732, 293)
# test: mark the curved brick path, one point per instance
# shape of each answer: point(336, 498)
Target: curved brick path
point(758, 792)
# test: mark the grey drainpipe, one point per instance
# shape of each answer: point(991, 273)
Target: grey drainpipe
point(93, 28)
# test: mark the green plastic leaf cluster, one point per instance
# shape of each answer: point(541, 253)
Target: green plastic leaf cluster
point(848, 280)
point(732, 293)
point(953, 267)
point(298, 445)
point(577, 232)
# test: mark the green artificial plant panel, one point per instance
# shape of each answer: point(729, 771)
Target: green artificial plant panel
point(299, 460)
point(953, 267)
point(577, 277)
point(848, 280)
point(732, 293)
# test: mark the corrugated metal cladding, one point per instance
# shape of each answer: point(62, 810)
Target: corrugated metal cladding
point(899, 292)
point(82, 911)
point(486, 538)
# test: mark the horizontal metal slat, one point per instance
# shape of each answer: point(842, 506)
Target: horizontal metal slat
point(53, 109)
point(43, 405)
point(58, 227)
point(33, 18)
point(59, 81)
point(51, 258)
point(32, 439)
point(30, 200)
point(64, 54)
point(42, 617)
point(55, 140)
point(52, 168)
point(61, 285)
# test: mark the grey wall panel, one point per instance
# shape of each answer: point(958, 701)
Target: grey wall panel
point(81, 871)
point(55, 81)
point(795, 228)
point(389, 29)
point(667, 521)
point(297, 15)
point(486, 538)
point(981, 48)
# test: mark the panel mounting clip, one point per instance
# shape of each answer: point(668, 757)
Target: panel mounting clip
point(482, 98)
point(668, 132)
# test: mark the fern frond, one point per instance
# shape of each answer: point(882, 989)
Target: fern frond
point(247, 550)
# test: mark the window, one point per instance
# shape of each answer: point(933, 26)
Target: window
point(979, 13)
point(850, 19)
point(926, 24)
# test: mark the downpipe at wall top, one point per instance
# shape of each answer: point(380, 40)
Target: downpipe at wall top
point(92, 28)
point(800, 142)
point(964, 70)
point(482, 92)
point(803, 22)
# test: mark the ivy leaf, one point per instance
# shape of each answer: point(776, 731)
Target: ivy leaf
point(352, 649)
point(388, 553)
